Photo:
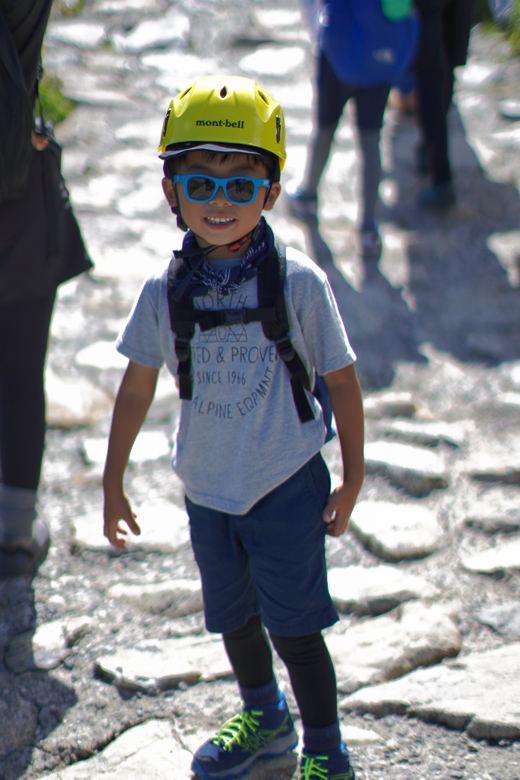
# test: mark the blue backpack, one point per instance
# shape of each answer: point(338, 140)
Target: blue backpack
point(368, 42)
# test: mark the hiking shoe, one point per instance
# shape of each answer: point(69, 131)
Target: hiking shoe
point(370, 245)
point(252, 734)
point(439, 197)
point(24, 556)
point(329, 766)
point(302, 206)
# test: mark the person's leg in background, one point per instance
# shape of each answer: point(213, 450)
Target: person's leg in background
point(24, 332)
point(332, 96)
point(432, 71)
point(370, 108)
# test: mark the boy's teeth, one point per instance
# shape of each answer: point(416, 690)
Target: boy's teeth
point(220, 219)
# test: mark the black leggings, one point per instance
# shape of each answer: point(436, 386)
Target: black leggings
point(308, 662)
point(24, 332)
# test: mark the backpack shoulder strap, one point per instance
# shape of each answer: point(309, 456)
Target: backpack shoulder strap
point(182, 326)
point(271, 312)
point(271, 292)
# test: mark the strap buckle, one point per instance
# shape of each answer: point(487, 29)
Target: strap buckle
point(233, 316)
point(285, 348)
point(182, 348)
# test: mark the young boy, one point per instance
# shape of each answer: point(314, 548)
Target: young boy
point(257, 489)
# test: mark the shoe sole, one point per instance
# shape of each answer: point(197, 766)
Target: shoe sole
point(279, 748)
point(20, 563)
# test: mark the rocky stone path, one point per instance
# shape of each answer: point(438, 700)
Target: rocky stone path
point(105, 668)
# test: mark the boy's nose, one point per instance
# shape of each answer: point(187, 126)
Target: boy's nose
point(220, 194)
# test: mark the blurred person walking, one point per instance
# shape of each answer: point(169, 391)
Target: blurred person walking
point(40, 247)
point(445, 27)
point(363, 46)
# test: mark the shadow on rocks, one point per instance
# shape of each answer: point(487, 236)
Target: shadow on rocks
point(32, 701)
point(464, 270)
point(462, 291)
point(379, 324)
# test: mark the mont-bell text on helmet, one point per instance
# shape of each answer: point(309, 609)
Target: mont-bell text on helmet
point(218, 123)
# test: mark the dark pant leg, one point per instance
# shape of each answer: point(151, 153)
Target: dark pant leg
point(24, 331)
point(27, 20)
point(312, 676)
point(249, 653)
point(431, 69)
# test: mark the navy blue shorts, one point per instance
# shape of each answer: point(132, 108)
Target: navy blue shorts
point(333, 94)
point(270, 561)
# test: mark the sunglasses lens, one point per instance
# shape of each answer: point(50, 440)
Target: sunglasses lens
point(240, 190)
point(200, 188)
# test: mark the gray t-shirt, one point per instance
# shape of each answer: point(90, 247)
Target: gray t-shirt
point(240, 436)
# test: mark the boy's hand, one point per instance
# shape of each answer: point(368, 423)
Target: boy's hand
point(339, 508)
point(115, 511)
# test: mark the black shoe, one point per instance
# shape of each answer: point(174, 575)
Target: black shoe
point(17, 560)
point(439, 197)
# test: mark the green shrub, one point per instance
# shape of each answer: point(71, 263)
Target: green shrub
point(511, 30)
point(514, 26)
point(56, 107)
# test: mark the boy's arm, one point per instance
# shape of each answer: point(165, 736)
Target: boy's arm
point(347, 405)
point(133, 401)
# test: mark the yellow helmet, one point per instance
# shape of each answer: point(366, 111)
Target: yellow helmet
point(227, 112)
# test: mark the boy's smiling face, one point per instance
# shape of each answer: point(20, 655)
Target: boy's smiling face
point(219, 221)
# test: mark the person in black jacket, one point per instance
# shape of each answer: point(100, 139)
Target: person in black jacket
point(443, 45)
point(28, 282)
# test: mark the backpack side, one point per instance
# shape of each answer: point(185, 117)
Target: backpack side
point(363, 46)
point(16, 120)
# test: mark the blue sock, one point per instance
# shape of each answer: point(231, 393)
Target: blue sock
point(322, 739)
point(263, 694)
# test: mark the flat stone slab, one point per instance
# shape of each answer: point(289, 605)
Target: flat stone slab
point(102, 355)
point(46, 647)
point(151, 749)
point(158, 665)
point(149, 445)
point(164, 528)
point(164, 32)
point(426, 434)
point(74, 402)
point(389, 404)
point(273, 60)
point(157, 750)
point(478, 694)
point(383, 648)
point(504, 468)
point(173, 599)
point(503, 618)
point(373, 590)
point(82, 35)
point(416, 470)
point(396, 532)
point(493, 521)
point(498, 559)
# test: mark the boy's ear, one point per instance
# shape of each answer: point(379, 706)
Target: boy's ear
point(169, 191)
point(274, 192)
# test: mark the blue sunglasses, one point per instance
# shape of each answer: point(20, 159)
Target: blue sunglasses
point(238, 190)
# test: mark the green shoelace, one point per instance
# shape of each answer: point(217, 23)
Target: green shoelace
point(312, 768)
point(244, 731)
